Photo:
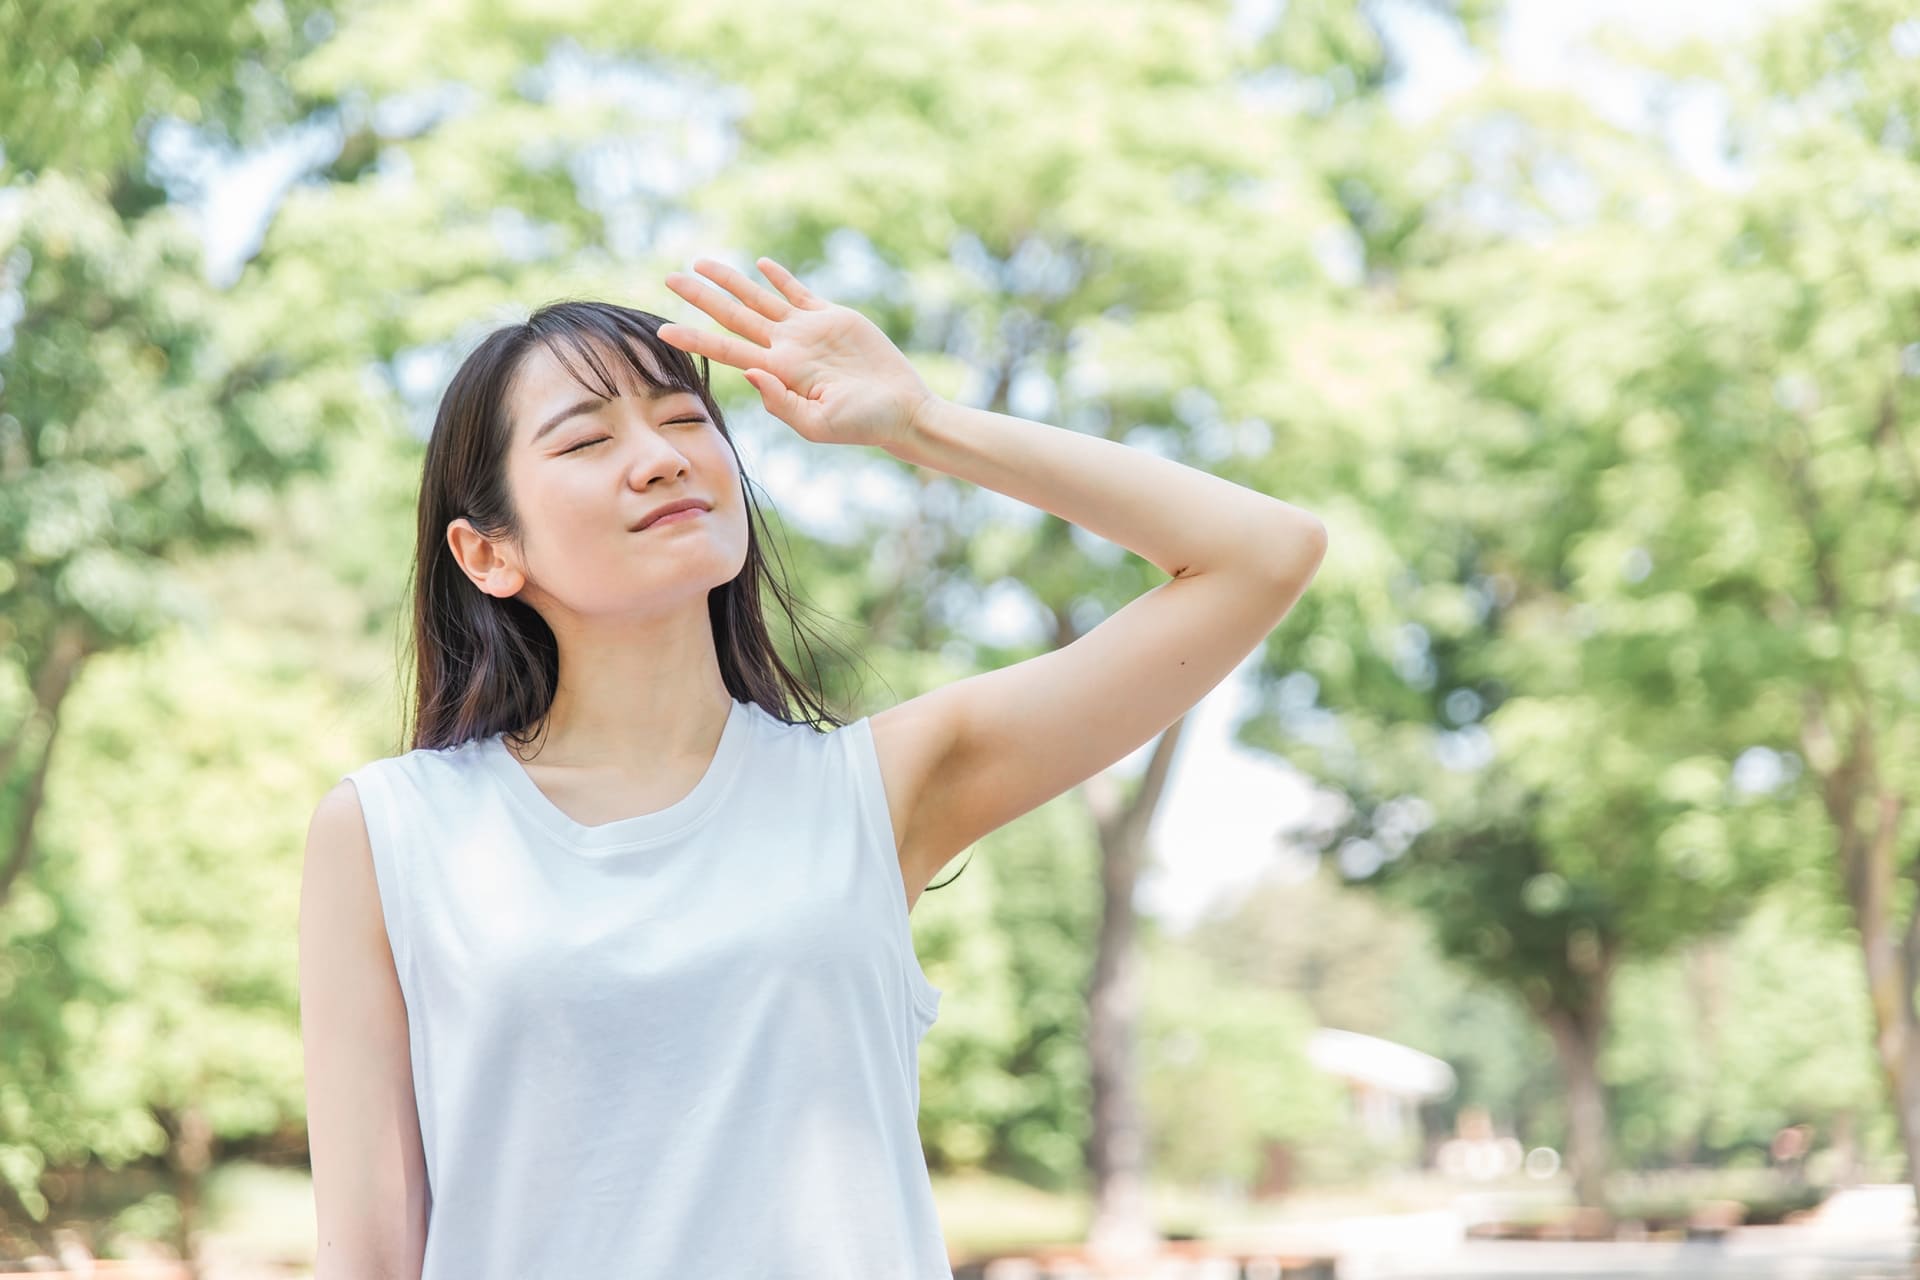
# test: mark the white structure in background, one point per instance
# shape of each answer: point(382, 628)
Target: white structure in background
point(1386, 1082)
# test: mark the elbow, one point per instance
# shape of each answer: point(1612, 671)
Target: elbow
point(1297, 551)
point(1282, 553)
point(1313, 540)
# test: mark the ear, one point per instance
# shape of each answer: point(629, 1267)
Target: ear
point(485, 563)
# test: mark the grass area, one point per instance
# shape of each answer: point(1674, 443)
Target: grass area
point(261, 1213)
point(981, 1213)
point(266, 1215)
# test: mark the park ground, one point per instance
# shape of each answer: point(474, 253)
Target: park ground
point(262, 1227)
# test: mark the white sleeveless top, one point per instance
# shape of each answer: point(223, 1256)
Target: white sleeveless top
point(683, 1044)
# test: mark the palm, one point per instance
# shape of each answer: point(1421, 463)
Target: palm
point(824, 369)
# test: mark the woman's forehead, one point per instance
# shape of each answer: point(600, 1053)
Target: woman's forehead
point(546, 384)
point(544, 369)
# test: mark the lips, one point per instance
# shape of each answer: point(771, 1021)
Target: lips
point(671, 508)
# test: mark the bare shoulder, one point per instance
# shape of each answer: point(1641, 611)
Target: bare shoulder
point(338, 882)
point(338, 830)
point(912, 739)
point(339, 808)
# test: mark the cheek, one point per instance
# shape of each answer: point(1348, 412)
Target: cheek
point(568, 500)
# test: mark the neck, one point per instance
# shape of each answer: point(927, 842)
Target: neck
point(635, 697)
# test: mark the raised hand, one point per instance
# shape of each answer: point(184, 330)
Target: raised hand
point(823, 369)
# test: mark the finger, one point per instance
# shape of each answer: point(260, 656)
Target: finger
point(757, 296)
point(714, 346)
point(721, 307)
point(789, 284)
point(783, 403)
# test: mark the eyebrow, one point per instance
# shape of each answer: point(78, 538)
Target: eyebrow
point(591, 403)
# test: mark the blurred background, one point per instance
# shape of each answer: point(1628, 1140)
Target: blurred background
point(1544, 894)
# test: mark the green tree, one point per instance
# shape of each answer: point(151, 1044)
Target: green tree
point(1738, 362)
point(134, 437)
point(1720, 1046)
point(1524, 694)
point(1051, 215)
point(1072, 219)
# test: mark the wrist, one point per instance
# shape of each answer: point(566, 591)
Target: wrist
point(911, 446)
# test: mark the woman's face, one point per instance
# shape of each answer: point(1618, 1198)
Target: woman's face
point(584, 472)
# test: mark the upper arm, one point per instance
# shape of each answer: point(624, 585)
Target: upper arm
point(967, 758)
point(363, 1131)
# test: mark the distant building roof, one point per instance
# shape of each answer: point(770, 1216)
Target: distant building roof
point(1380, 1064)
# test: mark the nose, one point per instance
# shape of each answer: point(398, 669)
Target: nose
point(653, 456)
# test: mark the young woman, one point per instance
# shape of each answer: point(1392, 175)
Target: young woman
point(611, 974)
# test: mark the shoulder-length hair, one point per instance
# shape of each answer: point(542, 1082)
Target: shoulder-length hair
point(485, 665)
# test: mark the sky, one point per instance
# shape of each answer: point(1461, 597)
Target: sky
point(1222, 823)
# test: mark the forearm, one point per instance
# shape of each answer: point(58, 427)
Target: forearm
point(1177, 517)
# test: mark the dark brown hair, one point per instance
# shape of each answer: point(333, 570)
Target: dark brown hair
point(486, 665)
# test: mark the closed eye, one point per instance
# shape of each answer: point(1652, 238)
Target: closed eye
point(699, 421)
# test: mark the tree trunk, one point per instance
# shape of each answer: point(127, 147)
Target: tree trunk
point(189, 1157)
point(1122, 1214)
point(1577, 1036)
point(1866, 820)
point(1122, 1226)
point(19, 1228)
point(1890, 969)
point(1890, 973)
point(68, 650)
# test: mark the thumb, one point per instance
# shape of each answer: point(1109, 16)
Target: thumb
point(780, 400)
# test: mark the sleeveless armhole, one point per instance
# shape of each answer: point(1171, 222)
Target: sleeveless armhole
point(377, 811)
point(879, 819)
point(377, 807)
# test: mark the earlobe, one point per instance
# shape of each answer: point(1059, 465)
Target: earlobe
point(500, 582)
point(499, 579)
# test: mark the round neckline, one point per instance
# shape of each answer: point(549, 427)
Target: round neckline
point(641, 828)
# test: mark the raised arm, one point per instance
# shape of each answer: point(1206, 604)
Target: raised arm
point(975, 754)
